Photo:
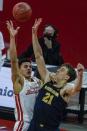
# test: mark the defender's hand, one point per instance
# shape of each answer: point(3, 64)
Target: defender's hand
point(36, 25)
point(80, 69)
point(13, 32)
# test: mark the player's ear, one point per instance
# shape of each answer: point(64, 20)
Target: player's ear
point(67, 77)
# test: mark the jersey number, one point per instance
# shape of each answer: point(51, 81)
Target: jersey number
point(48, 98)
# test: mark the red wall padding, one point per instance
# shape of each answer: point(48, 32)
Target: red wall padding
point(70, 16)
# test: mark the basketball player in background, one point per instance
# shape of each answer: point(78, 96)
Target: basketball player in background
point(25, 86)
point(1, 48)
point(54, 95)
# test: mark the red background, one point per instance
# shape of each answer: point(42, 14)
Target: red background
point(70, 16)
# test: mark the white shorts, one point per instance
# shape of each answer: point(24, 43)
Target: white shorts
point(21, 126)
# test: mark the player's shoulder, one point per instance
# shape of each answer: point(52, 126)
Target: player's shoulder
point(69, 86)
point(35, 78)
point(48, 77)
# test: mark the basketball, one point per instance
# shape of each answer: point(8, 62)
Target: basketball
point(22, 12)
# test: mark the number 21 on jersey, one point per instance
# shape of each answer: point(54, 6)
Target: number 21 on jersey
point(48, 98)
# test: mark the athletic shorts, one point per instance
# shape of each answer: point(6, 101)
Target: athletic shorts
point(21, 126)
point(40, 128)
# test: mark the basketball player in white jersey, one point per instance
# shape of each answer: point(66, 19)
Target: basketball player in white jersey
point(1, 48)
point(25, 86)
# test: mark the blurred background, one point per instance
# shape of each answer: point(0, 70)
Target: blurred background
point(69, 16)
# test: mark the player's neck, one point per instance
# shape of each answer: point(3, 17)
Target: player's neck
point(60, 84)
point(29, 79)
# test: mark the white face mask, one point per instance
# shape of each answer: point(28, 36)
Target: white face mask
point(49, 30)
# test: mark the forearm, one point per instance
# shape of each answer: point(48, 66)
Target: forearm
point(36, 46)
point(78, 83)
point(13, 52)
point(38, 51)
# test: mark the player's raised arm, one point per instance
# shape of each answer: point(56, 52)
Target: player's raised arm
point(38, 52)
point(13, 53)
point(78, 83)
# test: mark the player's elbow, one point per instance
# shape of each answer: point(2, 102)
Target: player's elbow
point(78, 89)
point(38, 55)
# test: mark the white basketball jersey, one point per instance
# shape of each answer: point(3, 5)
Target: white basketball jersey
point(25, 100)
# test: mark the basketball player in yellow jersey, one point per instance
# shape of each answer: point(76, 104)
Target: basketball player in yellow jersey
point(53, 97)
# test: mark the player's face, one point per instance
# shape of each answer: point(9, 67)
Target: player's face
point(62, 73)
point(26, 69)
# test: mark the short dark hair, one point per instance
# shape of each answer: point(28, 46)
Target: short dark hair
point(71, 72)
point(56, 31)
point(22, 60)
